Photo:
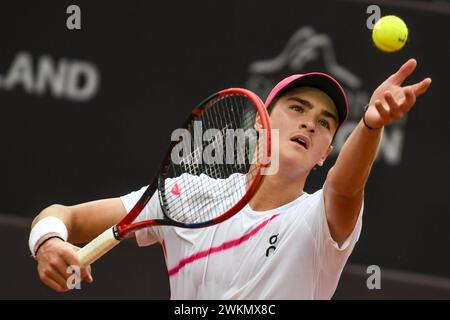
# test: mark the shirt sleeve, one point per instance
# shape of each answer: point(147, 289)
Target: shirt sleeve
point(152, 210)
point(330, 258)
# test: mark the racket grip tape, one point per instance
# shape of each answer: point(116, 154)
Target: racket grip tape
point(98, 247)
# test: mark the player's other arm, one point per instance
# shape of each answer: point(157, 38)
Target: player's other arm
point(344, 186)
point(87, 220)
point(83, 222)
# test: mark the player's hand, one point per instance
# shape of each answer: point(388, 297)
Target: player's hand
point(390, 101)
point(54, 258)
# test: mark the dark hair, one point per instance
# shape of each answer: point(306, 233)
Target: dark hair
point(272, 105)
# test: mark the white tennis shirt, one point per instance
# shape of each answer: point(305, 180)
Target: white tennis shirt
point(283, 253)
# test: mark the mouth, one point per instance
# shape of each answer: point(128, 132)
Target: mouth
point(302, 141)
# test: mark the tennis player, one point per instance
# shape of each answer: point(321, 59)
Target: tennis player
point(286, 243)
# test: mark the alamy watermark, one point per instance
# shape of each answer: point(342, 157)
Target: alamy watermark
point(374, 280)
point(74, 280)
point(226, 146)
point(73, 22)
point(375, 13)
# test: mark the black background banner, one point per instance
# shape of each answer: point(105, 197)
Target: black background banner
point(86, 113)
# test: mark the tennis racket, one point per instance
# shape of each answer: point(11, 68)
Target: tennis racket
point(211, 181)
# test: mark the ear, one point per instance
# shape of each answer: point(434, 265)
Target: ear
point(325, 156)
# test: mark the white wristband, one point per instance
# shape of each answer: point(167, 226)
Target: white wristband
point(45, 226)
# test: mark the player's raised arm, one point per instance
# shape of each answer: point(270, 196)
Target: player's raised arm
point(76, 224)
point(344, 186)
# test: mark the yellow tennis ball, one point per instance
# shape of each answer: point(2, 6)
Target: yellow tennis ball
point(390, 33)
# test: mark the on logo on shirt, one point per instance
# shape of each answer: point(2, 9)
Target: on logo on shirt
point(272, 241)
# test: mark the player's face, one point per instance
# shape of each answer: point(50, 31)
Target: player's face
point(307, 120)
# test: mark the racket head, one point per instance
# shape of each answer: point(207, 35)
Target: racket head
point(213, 166)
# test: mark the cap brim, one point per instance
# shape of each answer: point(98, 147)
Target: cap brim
point(323, 82)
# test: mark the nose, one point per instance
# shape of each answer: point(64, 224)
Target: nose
point(308, 125)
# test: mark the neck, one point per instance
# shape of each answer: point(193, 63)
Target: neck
point(276, 191)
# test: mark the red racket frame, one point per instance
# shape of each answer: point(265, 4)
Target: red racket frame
point(125, 226)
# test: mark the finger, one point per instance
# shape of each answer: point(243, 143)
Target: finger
point(54, 285)
point(404, 72)
point(421, 87)
point(394, 109)
point(71, 259)
point(384, 113)
point(86, 274)
point(89, 277)
point(60, 266)
point(410, 100)
point(47, 279)
point(52, 276)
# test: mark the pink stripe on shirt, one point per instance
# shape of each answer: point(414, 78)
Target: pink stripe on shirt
point(225, 246)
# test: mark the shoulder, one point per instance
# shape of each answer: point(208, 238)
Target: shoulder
point(309, 208)
point(314, 200)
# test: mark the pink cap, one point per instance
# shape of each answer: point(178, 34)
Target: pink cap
point(318, 80)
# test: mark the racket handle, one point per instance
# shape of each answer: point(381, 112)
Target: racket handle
point(98, 247)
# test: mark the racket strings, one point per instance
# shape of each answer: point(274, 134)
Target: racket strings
point(226, 199)
point(197, 189)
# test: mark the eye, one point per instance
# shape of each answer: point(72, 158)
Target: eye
point(324, 123)
point(297, 108)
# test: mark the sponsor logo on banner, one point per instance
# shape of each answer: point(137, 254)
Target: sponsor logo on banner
point(308, 50)
point(73, 80)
